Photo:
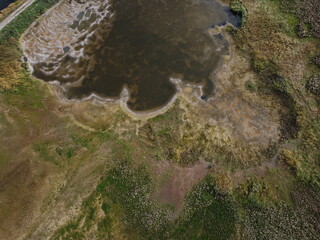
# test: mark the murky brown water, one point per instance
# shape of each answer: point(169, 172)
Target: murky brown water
point(151, 41)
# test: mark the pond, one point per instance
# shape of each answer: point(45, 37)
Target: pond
point(147, 43)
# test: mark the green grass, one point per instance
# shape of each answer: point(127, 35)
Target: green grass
point(27, 95)
point(4, 121)
point(56, 155)
point(17, 27)
point(124, 193)
point(104, 136)
point(72, 230)
point(62, 151)
point(250, 86)
point(208, 214)
point(129, 187)
point(44, 151)
point(5, 157)
point(69, 232)
point(67, 152)
point(80, 140)
point(238, 8)
point(167, 131)
point(159, 117)
point(279, 223)
point(169, 116)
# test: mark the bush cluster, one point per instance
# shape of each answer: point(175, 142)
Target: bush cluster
point(313, 85)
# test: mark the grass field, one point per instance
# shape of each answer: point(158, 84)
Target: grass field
point(65, 176)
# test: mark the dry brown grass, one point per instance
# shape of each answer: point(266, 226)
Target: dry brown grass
point(268, 38)
point(10, 66)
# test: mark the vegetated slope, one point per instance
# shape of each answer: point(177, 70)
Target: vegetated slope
point(62, 181)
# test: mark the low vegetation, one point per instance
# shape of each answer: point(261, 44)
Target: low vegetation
point(246, 194)
point(16, 27)
point(12, 70)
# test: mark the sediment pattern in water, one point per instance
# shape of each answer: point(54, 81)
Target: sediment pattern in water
point(101, 46)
